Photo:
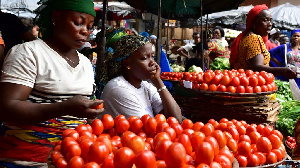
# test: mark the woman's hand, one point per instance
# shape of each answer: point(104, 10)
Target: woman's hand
point(155, 78)
point(82, 107)
point(289, 73)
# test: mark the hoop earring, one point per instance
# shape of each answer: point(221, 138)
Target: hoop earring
point(128, 67)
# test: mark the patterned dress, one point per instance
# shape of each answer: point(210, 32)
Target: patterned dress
point(250, 46)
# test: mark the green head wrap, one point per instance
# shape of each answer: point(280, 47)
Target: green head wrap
point(125, 46)
point(43, 18)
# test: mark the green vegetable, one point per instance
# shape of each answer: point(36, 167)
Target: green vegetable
point(220, 64)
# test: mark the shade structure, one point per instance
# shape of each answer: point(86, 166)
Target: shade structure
point(286, 16)
point(182, 9)
point(230, 17)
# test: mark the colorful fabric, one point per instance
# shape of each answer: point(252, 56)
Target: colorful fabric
point(1, 41)
point(216, 49)
point(250, 18)
point(33, 143)
point(125, 46)
point(43, 18)
point(249, 47)
point(113, 35)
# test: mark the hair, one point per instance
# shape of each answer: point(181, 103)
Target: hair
point(221, 30)
point(195, 33)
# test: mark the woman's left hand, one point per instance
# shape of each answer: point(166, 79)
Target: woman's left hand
point(157, 73)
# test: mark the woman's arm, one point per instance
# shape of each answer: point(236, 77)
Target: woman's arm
point(170, 106)
point(257, 64)
point(181, 52)
point(14, 106)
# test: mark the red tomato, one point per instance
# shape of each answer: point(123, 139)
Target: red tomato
point(214, 144)
point(222, 88)
point(122, 126)
point(61, 163)
point(234, 133)
point(161, 148)
point(260, 128)
point(242, 160)
point(215, 165)
point(263, 145)
point(241, 129)
point(188, 132)
point(171, 132)
point(222, 126)
point(203, 86)
point(150, 142)
point(225, 80)
point(98, 151)
point(81, 127)
point(262, 158)
point(175, 155)
point(261, 80)
point(67, 132)
point(271, 158)
point(161, 164)
point(76, 162)
point(264, 88)
point(74, 135)
point(267, 131)
point(160, 118)
point(249, 129)
point(217, 79)
point(207, 76)
point(84, 146)
point(254, 135)
point(118, 118)
point(100, 106)
point(124, 158)
point(212, 87)
point(253, 160)
point(244, 138)
point(126, 136)
point(106, 142)
point(178, 129)
point(108, 162)
point(145, 159)
point(232, 145)
point(55, 155)
point(244, 148)
point(223, 161)
point(279, 154)
point(172, 120)
point(231, 89)
point(257, 89)
point(207, 129)
point(160, 136)
point(204, 153)
point(67, 142)
point(244, 81)
point(240, 89)
point(97, 126)
point(160, 126)
point(196, 138)
point(226, 152)
point(185, 141)
point(253, 81)
point(249, 89)
point(108, 121)
point(275, 141)
point(186, 124)
point(235, 81)
point(136, 125)
point(197, 126)
point(220, 137)
point(249, 72)
point(278, 133)
point(91, 165)
point(199, 78)
point(150, 126)
point(145, 118)
point(203, 165)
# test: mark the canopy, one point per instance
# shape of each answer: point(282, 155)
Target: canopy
point(21, 8)
point(286, 16)
point(235, 16)
point(117, 8)
point(182, 9)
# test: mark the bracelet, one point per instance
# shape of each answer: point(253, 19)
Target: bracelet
point(163, 88)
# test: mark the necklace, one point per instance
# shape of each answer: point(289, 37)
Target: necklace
point(62, 55)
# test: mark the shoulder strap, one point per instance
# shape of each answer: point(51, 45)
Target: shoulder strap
point(285, 54)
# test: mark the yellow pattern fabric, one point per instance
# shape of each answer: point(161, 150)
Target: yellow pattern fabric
point(249, 47)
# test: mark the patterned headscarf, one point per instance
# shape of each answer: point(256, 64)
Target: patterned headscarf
point(125, 46)
point(43, 18)
point(250, 18)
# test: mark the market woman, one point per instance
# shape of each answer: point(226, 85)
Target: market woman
point(248, 50)
point(129, 91)
point(287, 55)
point(48, 78)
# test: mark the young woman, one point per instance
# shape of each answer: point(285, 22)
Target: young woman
point(48, 78)
point(128, 91)
point(249, 51)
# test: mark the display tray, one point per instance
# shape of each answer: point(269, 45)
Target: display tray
point(217, 93)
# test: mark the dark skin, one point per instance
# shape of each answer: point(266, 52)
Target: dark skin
point(70, 28)
point(140, 65)
point(196, 41)
point(262, 25)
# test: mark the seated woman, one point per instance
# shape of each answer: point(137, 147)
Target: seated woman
point(249, 51)
point(128, 91)
point(287, 55)
point(47, 78)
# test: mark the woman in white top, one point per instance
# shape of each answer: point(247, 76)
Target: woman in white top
point(128, 91)
point(48, 78)
point(219, 35)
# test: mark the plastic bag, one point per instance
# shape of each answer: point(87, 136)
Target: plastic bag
point(295, 89)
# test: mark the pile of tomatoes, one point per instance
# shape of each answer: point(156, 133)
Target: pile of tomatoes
point(291, 142)
point(233, 81)
point(164, 143)
point(174, 76)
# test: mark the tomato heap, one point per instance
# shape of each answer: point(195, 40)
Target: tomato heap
point(291, 142)
point(164, 143)
point(174, 76)
point(234, 81)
